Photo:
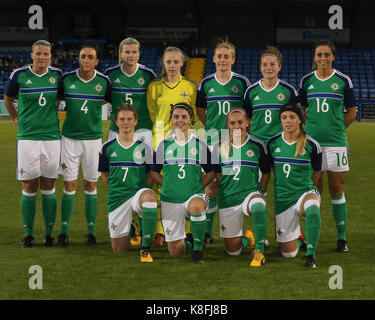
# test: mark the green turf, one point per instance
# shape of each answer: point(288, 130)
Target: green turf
point(81, 272)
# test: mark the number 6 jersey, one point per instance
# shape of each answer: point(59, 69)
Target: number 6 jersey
point(292, 174)
point(37, 110)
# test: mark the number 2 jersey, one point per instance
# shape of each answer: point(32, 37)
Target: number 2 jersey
point(182, 167)
point(325, 100)
point(292, 174)
point(37, 110)
point(127, 167)
point(239, 170)
point(84, 100)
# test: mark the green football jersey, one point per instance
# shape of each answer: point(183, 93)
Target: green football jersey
point(240, 171)
point(182, 167)
point(37, 110)
point(127, 167)
point(325, 100)
point(263, 107)
point(84, 100)
point(131, 89)
point(292, 174)
point(218, 99)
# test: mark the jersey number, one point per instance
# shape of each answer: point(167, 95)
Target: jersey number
point(286, 169)
point(324, 107)
point(128, 98)
point(125, 174)
point(182, 172)
point(84, 108)
point(237, 169)
point(224, 107)
point(344, 159)
point(42, 100)
point(268, 117)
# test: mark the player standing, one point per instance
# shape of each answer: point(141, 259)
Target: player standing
point(38, 136)
point(129, 81)
point(84, 91)
point(241, 193)
point(325, 93)
point(263, 99)
point(182, 156)
point(125, 162)
point(297, 161)
point(217, 95)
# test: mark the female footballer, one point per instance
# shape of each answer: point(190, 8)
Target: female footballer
point(297, 161)
point(182, 156)
point(325, 93)
point(124, 164)
point(240, 158)
point(217, 95)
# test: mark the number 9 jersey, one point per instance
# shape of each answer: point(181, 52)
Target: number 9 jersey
point(292, 174)
point(325, 100)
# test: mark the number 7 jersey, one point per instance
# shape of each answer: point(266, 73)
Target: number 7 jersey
point(325, 100)
point(84, 101)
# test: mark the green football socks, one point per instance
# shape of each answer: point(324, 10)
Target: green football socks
point(149, 220)
point(49, 209)
point(91, 210)
point(312, 226)
point(210, 214)
point(28, 209)
point(340, 214)
point(67, 208)
point(259, 214)
point(198, 229)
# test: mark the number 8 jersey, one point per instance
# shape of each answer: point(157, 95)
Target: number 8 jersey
point(84, 101)
point(292, 174)
point(37, 110)
point(325, 100)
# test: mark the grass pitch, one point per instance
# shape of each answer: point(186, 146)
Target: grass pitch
point(81, 272)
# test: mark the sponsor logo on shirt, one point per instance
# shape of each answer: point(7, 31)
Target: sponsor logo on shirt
point(117, 81)
point(278, 150)
point(114, 155)
point(311, 87)
point(256, 98)
point(72, 86)
point(29, 81)
point(211, 90)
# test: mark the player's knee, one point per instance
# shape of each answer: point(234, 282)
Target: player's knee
point(70, 186)
point(148, 196)
point(89, 186)
point(196, 205)
point(30, 186)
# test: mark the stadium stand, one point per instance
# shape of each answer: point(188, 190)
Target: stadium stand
point(359, 64)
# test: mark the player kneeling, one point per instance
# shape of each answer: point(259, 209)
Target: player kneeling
point(182, 156)
point(240, 158)
point(124, 164)
point(295, 156)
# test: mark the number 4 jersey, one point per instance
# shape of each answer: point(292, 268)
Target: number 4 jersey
point(84, 101)
point(326, 99)
point(37, 110)
point(292, 174)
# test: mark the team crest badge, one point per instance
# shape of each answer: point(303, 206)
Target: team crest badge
point(193, 151)
point(250, 153)
point(98, 88)
point(281, 97)
point(334, 86)
point(141, 81)
point(303, 152)
point(138, 155)
point(52, 80)
point(184, 95)
point(235, 89)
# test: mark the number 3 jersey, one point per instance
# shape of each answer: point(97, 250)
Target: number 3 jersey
point(84, 101)
point(326, 100)
point(37, 110)
point(127, 167)
point(292, 174)
point(182, 167)
point(239, 170)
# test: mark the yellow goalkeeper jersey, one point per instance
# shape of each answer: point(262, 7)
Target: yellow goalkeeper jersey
point(160, 96)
